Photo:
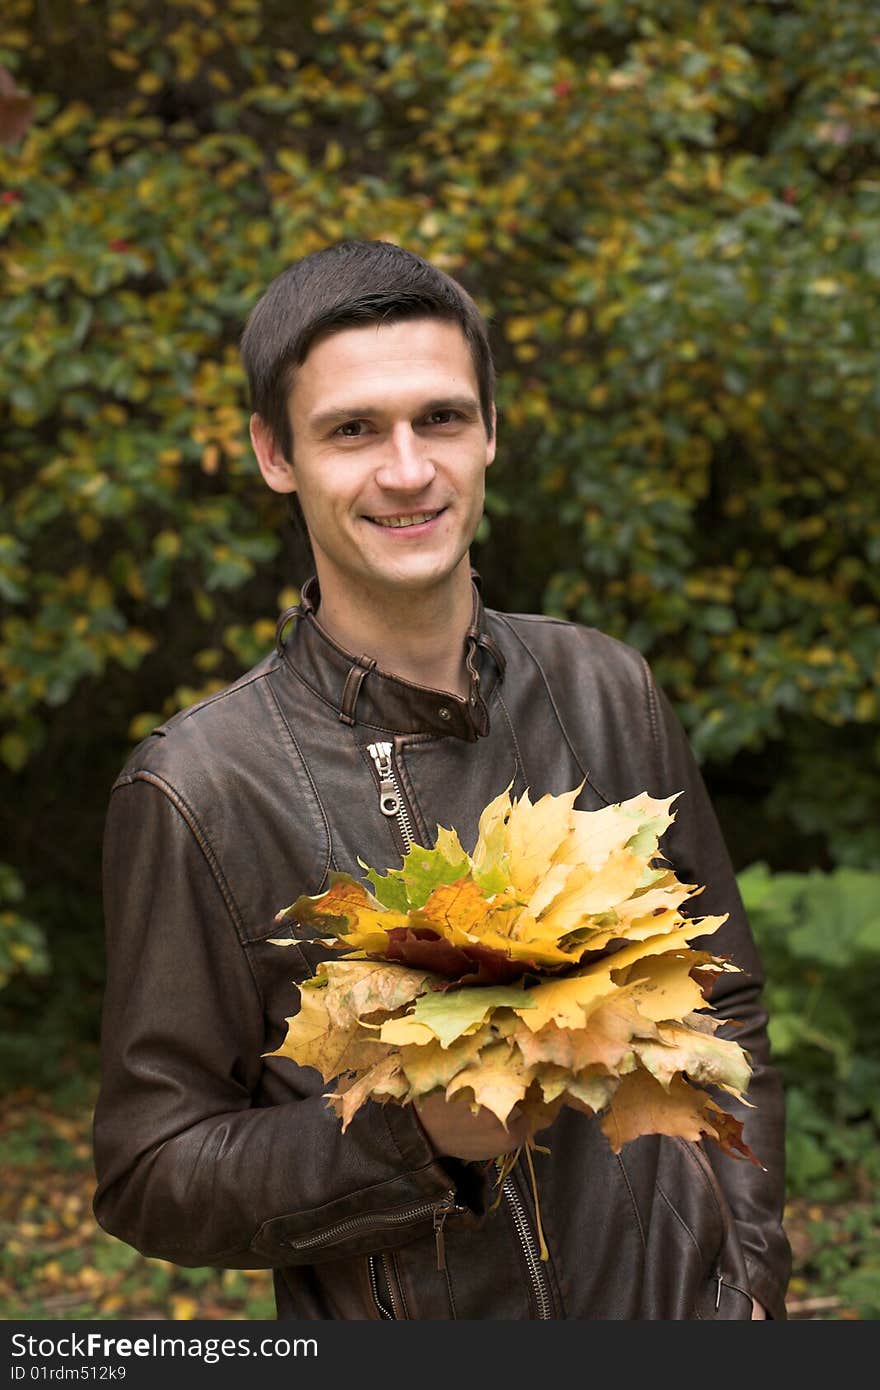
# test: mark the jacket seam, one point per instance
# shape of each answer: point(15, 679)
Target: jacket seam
point(422, 1167)
point(680, 1219)
point(553, 705)
point(693, 1156)
point(531, 617)
point(317, 795)
point(709, 1184)
point(632, 1198)
point(249, 679)
point(188, 816)
point(651, 701)
point(520, 765)
point(678, 1216)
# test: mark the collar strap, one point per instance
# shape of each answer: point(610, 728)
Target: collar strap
point(491, 646)
point(386, 701)
point(352, 688)
point(286, 617)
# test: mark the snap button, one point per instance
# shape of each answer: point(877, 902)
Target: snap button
point(444, 713)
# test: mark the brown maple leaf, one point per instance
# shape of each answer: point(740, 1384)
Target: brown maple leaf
point(462, 965)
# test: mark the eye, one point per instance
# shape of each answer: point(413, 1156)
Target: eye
point(442, 417)
point(351, 429)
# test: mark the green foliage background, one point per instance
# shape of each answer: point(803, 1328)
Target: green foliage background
point(669, 213)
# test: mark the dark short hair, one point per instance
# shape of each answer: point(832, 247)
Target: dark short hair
point(344, 286)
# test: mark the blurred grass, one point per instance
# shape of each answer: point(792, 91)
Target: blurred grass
point(57, 1263)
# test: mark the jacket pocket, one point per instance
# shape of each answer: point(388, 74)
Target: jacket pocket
point(725, 1295)
point(723, 1301)
point(406, 1284)
point(385, 1286)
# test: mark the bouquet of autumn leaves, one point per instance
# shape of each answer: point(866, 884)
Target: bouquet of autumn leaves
point(548, 967)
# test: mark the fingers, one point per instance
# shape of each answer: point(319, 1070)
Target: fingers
point(453, 1128)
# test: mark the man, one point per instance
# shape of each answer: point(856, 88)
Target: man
point(372, 389)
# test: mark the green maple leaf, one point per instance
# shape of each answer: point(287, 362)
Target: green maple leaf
point(644, 841)
point(451, 1013)
point(421, 872)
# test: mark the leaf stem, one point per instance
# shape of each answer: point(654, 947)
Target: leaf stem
point(545, 1253)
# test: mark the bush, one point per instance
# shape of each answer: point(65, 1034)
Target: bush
point(22, 942)
point(819, 934)
point(669, 214)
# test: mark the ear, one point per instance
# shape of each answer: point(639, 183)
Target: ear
point(276, 470)
point(493, 437)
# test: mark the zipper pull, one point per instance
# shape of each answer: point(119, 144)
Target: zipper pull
point(718, 1293)
point(389, 801)
point(440, 1215)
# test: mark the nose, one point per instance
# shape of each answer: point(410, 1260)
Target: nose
point(405, 466)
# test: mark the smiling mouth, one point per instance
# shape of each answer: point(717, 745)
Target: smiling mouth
point(415, 519)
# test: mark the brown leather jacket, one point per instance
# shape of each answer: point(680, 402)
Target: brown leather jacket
point(210, 1153)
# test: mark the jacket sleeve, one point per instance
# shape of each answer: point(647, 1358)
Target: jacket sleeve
point(696, 849)
point(188, 1169)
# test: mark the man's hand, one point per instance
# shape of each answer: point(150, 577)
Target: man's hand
point(757, 1310)
point(454, 1129)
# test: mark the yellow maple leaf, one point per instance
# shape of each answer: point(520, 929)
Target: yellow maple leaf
point(604, 1039)
point(358, 988)
point(706, 1059)
point(463, 915)
point(384, 1081)
point(326, 1033)
point(459, 912)
point(489, 864)
point(314, 1040)
point(430, 1067)
point(666, 892)
point(569, 1001)
point(588, 1091)
point(449, 845)
point(534, 835)
point(589, 892)
point(662, 985)
point(640, 1105)
point(597, 834)
point(668, 941)
point(407, 1032)
point(359, 918)
point(497, 1083)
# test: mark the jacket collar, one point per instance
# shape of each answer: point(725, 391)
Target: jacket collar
point(362, 693)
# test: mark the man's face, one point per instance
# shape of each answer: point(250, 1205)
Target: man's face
point(389, 456)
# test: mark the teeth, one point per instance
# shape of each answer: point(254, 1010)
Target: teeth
point(414, 520)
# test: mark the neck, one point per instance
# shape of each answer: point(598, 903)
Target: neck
point(417, 636)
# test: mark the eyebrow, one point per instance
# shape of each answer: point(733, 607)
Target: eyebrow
point(337, 415)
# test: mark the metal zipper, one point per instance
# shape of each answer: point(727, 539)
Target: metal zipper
point(353, 1224)
point(384, 1263)
point(530, 1249)
point(384, 1312)
point(391, 802)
